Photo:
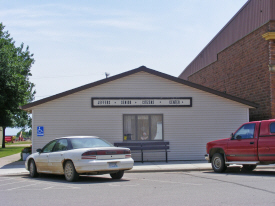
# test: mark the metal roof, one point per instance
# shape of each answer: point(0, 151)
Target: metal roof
point(254, 14)
point(140, 69)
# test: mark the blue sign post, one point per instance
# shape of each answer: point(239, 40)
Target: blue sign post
point(40, 131)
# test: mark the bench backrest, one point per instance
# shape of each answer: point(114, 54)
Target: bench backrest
point(143, 145)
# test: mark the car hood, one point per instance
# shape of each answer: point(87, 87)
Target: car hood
point(219, 141)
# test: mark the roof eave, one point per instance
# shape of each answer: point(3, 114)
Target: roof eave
point(30, 106)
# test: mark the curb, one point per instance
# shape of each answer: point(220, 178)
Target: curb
point(14, 174)
point(166, 170)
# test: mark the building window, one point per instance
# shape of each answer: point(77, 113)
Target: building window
point(145, 127)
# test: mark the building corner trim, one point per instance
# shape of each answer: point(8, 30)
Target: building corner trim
point(271, 68)
point(269, 36)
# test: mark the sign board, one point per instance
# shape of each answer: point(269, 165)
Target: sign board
point(40, 131)
point(142, 102)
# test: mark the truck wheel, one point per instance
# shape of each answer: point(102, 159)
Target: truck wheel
point(218, 163)
point(249, 167)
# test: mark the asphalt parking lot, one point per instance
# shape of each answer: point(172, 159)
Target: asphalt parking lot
point(234, 187)
point(24, 182)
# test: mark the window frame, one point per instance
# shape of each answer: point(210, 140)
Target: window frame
point(136, 127)
point(48, 145)
point(72, 147)
point(55, 146)
point(235, 135)
point(272, 123)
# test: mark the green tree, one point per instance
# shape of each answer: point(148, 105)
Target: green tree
point(15, 87)
point(25, 133)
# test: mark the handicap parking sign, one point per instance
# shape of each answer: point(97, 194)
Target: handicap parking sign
point(40, 131)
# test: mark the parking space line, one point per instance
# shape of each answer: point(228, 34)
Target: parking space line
point(119, 185)
point(173, 182)
point(224, 175)
point(22, 187)
point(47, 188)
point(60, 186)
point(13, 183)
point(53, 188)
point(7, 179)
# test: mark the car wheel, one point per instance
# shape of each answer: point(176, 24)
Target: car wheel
point(218, 163)
point(32, 169)
point(117, 175)
point(249, 167)
point(69, 172)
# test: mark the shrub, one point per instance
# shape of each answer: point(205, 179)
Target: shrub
point(26, 150)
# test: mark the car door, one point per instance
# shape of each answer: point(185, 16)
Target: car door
point(42, 159)
point(56, 157)
point(243, 145)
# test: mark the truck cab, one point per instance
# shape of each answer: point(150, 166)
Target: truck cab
point(252, 144)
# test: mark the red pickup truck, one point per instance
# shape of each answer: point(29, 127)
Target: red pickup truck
point(251, 145)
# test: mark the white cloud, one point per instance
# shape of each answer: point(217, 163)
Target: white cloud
point(137, 24)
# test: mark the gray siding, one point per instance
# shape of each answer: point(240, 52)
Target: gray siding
point(188, 129)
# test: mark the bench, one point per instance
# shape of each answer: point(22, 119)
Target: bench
point(145, 146)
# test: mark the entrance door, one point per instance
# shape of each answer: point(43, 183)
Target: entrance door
point(42, 160)
point(243, 145)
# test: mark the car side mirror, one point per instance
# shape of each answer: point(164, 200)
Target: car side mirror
point(232, 136)
point(39, 150)
point(239, 137)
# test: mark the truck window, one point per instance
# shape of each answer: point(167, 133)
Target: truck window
point(272, 127)
point(245, 132)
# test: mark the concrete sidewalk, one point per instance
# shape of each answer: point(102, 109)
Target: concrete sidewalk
point(171, 166)
point(11, 165)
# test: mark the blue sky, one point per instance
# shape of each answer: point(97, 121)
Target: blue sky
point(76, 42)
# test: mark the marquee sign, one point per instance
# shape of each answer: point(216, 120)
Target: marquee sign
point(142, 102)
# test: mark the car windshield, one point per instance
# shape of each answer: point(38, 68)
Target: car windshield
point(89, 143)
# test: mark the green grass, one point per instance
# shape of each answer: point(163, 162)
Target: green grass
point(10, 151)
point(18, 143)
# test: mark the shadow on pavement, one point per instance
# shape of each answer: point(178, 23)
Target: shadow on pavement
point(83, 179)
point(14, 165)
point(235, 170)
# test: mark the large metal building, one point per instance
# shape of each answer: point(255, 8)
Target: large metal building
point(141, 105)
point(240, 59)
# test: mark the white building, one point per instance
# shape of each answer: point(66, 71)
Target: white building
point(141, 105)
point(1, 135)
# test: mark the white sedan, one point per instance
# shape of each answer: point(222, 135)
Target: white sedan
point(75, 155)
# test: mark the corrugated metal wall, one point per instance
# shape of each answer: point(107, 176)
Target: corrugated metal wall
point(187, 128)
point(251, 16)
